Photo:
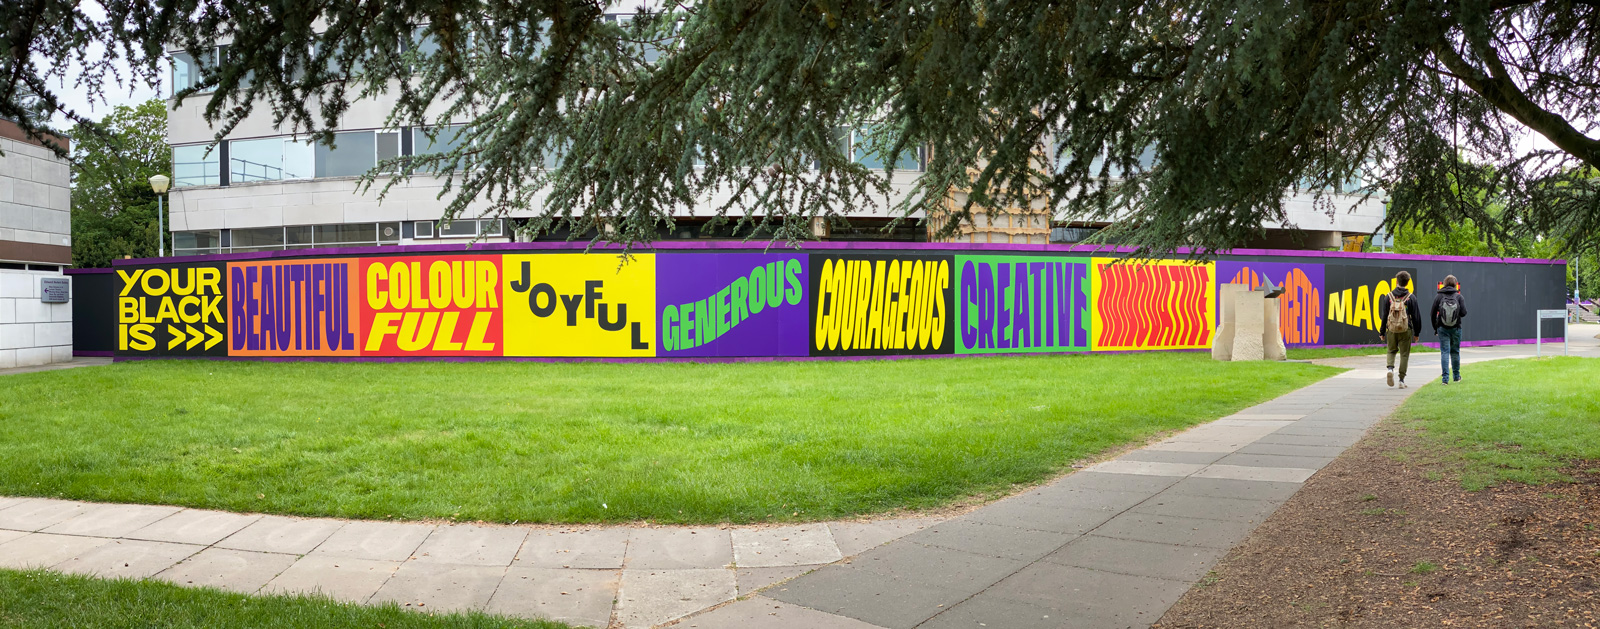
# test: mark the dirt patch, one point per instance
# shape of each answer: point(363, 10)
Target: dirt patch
point(1386, 537)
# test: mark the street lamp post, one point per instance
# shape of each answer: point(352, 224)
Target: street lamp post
point(159, 184)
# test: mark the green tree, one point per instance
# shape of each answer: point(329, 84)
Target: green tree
point(113, 207)
point(1208, 111)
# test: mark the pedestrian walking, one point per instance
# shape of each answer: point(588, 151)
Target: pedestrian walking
point(1402, 323)
point(1448, 310)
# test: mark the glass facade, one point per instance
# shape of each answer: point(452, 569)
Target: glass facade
point(269, 159)
point(196, 165)
point(245, 240)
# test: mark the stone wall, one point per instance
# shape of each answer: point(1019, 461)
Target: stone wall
point(31, 332)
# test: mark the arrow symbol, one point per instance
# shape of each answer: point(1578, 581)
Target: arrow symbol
point(177, 336)
point(194, 337)
point(216, 337)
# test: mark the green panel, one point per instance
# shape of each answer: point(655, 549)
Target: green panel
point(1022, 304)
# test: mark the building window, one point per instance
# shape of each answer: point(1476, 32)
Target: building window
point(351, 234)
point(356, 152)
point(186, 72)
point(446, 139)
point(863, 153)
point(195, 165)
point(269, 159)
point(459, 228)
point(197, 242)
point(257, 239)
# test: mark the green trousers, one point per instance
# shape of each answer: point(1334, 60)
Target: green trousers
point(1399, 342)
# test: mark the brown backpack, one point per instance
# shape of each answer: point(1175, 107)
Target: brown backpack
point(1398, 321)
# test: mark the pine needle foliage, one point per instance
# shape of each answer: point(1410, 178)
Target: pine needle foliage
point(1184, 123)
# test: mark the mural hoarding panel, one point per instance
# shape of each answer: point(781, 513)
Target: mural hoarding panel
point(1161, 304)
point(431, 306)
point(1353, 290)
point(1022, 304)
point(880, 305)
point(294, 308)
point(733, 304)
point(1299, 307)
point(172, 310)
point(580, 305)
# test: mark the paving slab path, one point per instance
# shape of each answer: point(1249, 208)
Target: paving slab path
point(1113, 545)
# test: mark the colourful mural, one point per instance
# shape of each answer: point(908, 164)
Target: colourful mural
point(699, 305)
point(1019, 304)
point(1299, 307)
point(1152, 305)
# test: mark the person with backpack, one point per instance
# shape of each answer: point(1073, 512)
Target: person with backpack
point(1402, 323)
point(1448, 310)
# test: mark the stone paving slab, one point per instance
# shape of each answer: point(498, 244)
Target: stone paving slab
point(469, 544)
point(1207, 507)
point(8, 535)
point(1125, 466)
point(752, 580)
point(1094, 593)
point(591, 549)
point(111, 520)
point(132, 559)
point(803, 545)
point(679, 548)
point(650, 597)
point(376, 541)
point(760, 612)
point(441, 587)
point(1275, 460)
point(992, 540)
point(1291, 450)
point(870, 597)
point(853, 538)
point(1241, 472)
point(1173, 529)
point(339, 578)
point(1138, 558)
point(1054, 518)
point(278, 534)
point(43, 550)
point(236, 570)
point(579, 597)
point(194, 527)
point(937, 567)
point(37, 514)
point(1173, 456)
point(986, 610)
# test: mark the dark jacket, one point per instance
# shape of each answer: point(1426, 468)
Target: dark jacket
point(1413, 312)
point(1461, 308)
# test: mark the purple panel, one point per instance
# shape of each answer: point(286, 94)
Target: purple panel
point(733, 304)
point(1300, 315)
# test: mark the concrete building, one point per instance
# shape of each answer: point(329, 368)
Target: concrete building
point(35, 246)
point(264, 189)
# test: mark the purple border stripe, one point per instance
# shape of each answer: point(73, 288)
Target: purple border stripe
point(728, 245)
point(698, 359)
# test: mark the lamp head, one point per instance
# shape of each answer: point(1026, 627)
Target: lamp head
point(159, 183)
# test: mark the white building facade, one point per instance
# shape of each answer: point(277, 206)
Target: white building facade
point(35, 247)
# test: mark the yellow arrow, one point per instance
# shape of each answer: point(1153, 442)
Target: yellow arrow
point(195, 336)
point(177, 336)
point(216, 337)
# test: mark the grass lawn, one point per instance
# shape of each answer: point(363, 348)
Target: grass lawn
point(1313, 353)
point(1519, 420)
point(596, 442)
point(39, 598)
